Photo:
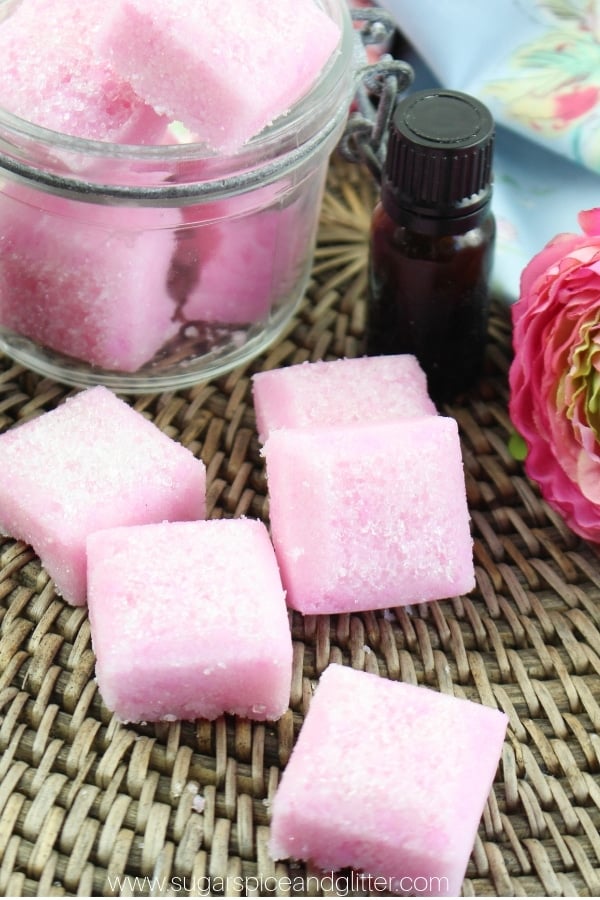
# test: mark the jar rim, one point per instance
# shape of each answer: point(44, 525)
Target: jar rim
point(33, 152)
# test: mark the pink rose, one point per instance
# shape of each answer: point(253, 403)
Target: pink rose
point(555, 374)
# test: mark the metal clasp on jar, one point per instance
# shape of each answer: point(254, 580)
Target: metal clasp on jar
point(379, 85)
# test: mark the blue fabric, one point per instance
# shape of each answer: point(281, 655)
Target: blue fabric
point(536, 65)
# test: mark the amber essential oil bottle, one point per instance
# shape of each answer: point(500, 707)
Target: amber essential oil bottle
point(432, 239)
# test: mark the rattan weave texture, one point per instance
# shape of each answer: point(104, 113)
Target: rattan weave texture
point(85, 800)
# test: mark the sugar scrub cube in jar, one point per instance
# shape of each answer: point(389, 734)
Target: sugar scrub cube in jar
point(161, 172)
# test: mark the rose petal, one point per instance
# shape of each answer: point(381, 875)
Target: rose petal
point(589, 221)
point(547, 257)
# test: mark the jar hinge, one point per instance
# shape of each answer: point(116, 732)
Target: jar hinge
point(379, 85)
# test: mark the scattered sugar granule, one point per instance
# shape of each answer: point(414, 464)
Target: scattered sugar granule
point(198, 803)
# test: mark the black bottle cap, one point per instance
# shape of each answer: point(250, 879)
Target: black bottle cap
point(439, 156)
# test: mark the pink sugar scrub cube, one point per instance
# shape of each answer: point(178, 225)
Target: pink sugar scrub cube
point(88, 281)
point(55, 75)
point(92, 463)
point(369, 516)
point(247, 264)
point(339, 392)
point(224, 70)
point(236, 275)
point(189, 621)
point(389, 779)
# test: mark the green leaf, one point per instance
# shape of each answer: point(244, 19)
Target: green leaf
point(517, 447)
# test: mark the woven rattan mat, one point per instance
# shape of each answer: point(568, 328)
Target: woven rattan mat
point(91, 807)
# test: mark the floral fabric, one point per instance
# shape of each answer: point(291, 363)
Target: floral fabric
point(536, 65)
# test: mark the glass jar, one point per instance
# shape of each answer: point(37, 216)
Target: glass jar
point(150, 268)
